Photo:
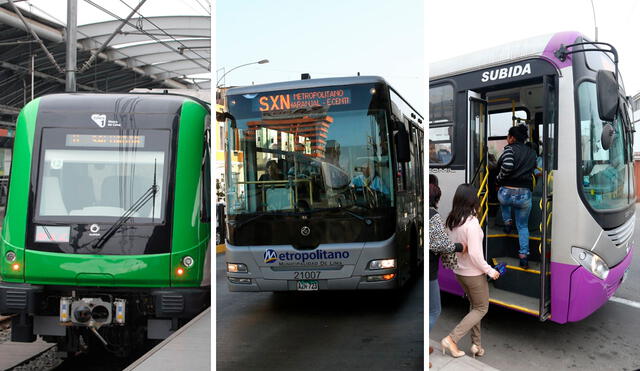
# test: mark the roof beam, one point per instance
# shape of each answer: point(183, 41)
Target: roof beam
point(104, 45)
point(9, 110)
point(35, 36)
point(42, 75)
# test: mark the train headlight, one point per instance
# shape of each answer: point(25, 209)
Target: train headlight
point(236, 268)
point(382, 264)
point(187, 261)
point(65, 305)
point(591, 262)
point(10, 256)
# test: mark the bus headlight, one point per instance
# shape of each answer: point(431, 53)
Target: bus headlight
point(382, 277)
point(382, 264)
point(591, 262)
point(236, 268)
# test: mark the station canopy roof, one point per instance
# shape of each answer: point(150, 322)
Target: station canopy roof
point(170, 52)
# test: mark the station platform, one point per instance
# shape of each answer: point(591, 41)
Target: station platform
point(189, 348)
point(14, 354)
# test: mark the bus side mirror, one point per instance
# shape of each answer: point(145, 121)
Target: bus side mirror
point(403, 153)
point(607, 90)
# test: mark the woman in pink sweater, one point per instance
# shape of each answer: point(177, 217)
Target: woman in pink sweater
point(472, 268)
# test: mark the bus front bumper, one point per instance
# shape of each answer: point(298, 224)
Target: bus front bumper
point(351, 283)
point(576, 293)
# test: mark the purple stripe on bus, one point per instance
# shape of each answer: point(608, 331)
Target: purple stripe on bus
point(566, 38)
point(447, 280)
point(587, 292)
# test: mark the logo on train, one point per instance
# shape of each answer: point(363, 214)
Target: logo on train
point(270, 256)
point(100, 120)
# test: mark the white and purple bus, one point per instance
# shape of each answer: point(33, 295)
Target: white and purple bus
point(569, 93)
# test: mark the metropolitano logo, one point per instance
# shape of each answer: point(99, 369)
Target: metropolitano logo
point(270, 256)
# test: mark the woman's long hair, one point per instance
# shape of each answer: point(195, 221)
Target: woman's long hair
point(465, 204)
point(434, 195)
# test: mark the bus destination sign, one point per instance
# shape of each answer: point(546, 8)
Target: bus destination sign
point(307, 99)
point(85, 140)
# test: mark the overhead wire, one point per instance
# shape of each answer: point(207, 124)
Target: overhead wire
point(168, 35)
point(150, 35)
point(203, 7)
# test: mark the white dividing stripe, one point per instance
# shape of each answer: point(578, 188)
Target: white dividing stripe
point(630, 303)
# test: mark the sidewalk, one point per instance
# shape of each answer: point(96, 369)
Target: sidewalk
point(448, 363)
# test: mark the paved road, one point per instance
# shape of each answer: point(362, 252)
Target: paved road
point(320, 331)
point(607, 340)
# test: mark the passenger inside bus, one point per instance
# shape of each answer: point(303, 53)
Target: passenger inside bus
point(368, 178)
point(272, 173)
point(516, 166)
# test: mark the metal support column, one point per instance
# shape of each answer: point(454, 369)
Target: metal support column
point(71, 40)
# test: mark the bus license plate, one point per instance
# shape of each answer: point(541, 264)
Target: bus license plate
point(307, 285)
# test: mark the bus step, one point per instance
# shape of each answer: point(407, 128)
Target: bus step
point(514, 301)
point(518, 280)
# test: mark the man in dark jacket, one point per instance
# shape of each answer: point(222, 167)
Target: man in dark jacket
point(516, 164)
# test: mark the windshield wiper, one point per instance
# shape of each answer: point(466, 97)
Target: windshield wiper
point(149, 194)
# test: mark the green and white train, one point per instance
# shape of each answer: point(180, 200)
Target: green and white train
point(107, 226)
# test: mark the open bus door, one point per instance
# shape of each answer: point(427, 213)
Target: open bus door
point(477, 158)
point(549, 127)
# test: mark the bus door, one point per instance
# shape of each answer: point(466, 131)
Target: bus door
point(477, 158)
point(549, 163)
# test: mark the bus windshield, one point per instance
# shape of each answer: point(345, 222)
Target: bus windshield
point(101, 175)
point(605, 174)
point(307, 150)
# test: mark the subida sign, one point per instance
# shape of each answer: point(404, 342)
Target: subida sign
point(506, 72)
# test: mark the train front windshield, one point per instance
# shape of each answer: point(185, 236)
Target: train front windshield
point(102, 175)
point(309, 149)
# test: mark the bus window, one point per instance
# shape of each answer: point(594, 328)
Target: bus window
point(500, 122)
point(441, 109)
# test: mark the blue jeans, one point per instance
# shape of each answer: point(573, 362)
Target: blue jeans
point(520, 200)
point(434, 303)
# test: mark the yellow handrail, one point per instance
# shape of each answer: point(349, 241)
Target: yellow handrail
point(483, 195)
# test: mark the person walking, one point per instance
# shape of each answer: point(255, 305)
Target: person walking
point(472, 268)
point(517, 164)
point(439, 246)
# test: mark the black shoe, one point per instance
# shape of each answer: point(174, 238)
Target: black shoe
point(524, 263)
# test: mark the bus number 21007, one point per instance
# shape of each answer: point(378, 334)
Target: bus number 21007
point(306, 275)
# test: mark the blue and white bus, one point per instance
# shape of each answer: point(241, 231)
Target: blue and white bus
point(324, 186)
